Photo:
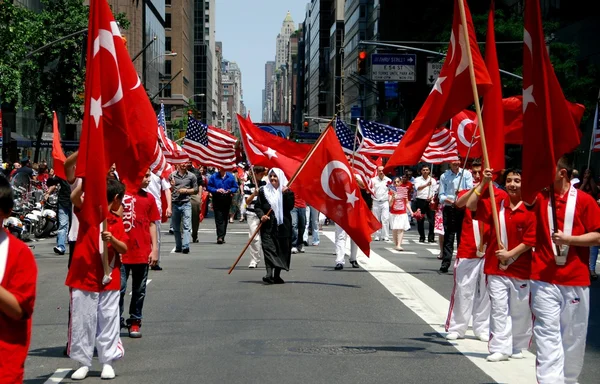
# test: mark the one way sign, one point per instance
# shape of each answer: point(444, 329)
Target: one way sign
point(433, 71)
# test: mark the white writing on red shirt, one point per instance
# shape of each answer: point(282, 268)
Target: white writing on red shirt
point(128, 212)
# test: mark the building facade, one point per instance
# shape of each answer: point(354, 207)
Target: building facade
point(204, 59)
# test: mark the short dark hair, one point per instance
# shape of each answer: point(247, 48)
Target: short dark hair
point(565, 163)
point(114, 188)
point(424, 165)
point(6, 196)
point(476, 163)
point(259, 169)
point(514, 171)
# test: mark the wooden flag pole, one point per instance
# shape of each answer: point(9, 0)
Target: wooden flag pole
point(300, 168)
point(105, 264)
point(486, 159)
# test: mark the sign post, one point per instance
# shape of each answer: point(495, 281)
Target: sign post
point(394, 67)
point(433, 71)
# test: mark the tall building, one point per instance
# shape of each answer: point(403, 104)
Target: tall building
point(268, 99)
point(204, 59)
point(334, 95)
point(232, 94)
point(219, 85)
point(281, 53)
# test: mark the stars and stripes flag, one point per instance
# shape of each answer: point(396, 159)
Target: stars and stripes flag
point(596, 132)
point(172, 151)
point(379, 139)
point(441, 149)
point(363, 165)
point(209, 146)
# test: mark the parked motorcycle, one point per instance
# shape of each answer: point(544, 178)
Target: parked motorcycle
point(48, 219)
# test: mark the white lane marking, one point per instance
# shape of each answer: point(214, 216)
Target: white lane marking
point(436, 251)
point(173, 250)
point(147, 282)
point(401, 252)
point(58, 375)
point(432, 308)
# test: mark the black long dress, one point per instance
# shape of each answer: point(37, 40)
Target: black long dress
point(276, 238)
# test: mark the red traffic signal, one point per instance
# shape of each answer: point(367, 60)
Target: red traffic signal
point(361, 64)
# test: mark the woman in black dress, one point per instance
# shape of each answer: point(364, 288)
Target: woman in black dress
point(276, 230)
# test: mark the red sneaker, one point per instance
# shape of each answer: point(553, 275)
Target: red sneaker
point(134, 331)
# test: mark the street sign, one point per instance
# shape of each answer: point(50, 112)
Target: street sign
point(47, 136)
point(433, 71)
point(394, 67)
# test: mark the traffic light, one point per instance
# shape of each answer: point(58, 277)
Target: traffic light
point(305, 126)
point(361, 64)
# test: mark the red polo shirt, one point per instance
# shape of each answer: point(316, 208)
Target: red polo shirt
point(468, 247)
point(587, 219)
point(139, 211)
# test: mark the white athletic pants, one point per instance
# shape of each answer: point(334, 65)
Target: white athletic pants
point(340, 246)
point(560, 329)
point(256, 245)
point(95, 322)
point(381, 210)
point(305, 236)
point(158, 223)
point(470, 299)
point(510, 322)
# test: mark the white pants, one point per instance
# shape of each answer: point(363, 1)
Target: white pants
point(94, 322)
point(158, 223)
point(305, 236)
point(470, 298)
point(560, 329)
point(255, 246)
point(381, 210)
point(340, 246)
point(510, 322)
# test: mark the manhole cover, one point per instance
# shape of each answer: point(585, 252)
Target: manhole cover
point(332, 350)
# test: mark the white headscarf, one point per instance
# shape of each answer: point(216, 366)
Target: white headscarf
point(275, 196)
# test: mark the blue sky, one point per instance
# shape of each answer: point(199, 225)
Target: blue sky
point(248, 30)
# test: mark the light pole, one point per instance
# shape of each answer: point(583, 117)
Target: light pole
point(147, 64)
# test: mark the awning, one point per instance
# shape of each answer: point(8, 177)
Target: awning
point(22, 141)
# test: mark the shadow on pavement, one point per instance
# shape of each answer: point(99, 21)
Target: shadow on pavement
point(304, 282)
point(48, 352)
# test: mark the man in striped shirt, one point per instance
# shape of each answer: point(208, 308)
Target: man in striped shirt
point(250, 196)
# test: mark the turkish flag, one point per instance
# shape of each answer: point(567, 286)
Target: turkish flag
point(328, 185)
point(463, 127)
point(450, 94)
point(493, 114)
point(271, 151)
point(547, 121)
point(120, 101)
point(58, 156)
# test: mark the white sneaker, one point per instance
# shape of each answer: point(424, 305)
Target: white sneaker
point(252, 264)
point(495, 357)
point(386, 239)
point(518, 355)
point(81, 373)
point(376, 238)
point(294, 250)
point(484, 338)
point(453, 336)
point(107, 372)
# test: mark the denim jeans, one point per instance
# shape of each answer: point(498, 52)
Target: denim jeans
point(139, 276)
point(593, 257)
point(63, 227)
point(298, 226)
point(182, 214)
point(314, 224)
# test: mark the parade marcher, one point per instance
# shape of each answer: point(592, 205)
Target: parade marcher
point(312, 226)
point(560, 278)
point(234, 207)
point(453, 216)
point(470, 299)
point(184, 185)
point(196, 201)
point(298, 224)
point(399, 206)
point(222, 185)
point(64, 210)
point(381, 205)
point(425, 186)
point(18, 278)
point(251, 193)
point(158, 187)
point(276, 229)
point(140, 215)
point(95, 306)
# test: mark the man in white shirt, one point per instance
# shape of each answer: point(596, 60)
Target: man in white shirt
point(425, 187)
point(381, 206)
point(157, 186)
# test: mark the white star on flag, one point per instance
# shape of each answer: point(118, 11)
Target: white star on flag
point(271, 153)
point(351, 198)
point(528, 97)
point(438, 85)
point(96, 109)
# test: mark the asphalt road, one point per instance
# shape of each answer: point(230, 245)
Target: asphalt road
point(376, 324)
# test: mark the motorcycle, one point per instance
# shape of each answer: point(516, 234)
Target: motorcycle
point(48, 220)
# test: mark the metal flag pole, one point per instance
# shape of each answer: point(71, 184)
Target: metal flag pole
point(594, 129)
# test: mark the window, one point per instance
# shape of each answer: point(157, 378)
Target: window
point(168, 43)
point(168, 66)
point(167, 92)
point(206, 19)
point(167, 2)
point(206, 5)
point(167, 20)
point(206, 31)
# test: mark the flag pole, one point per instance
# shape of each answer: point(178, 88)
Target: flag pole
point(486, 159)
point(308, 156)
point(594, 129)
point(354, 144)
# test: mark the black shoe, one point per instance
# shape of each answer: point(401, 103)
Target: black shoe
point(593, 276)
point(177, 250)
point(195, 240)
point(171, 232)
point(305, 243)
point(431, 241)
point(66, 350)
point(185, 251)
point(354, 264)
point(278, 280)
point(422, 240)
point(268, 280)
point(156, 268)
point(444, 269)
point(220, 241)
point(339, 267)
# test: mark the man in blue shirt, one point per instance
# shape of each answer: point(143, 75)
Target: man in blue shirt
point(222, 185)
point(452, 182)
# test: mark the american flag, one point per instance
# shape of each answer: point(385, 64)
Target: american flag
point(363, 165)
point(595, 147)
point(209, 146)
point(379, 139)
point(159, 166)
point(171, 150)
point(442, 148)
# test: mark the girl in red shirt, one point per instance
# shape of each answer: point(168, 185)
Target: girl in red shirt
point(398, 199)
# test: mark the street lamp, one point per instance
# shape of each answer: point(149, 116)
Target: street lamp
point(172, 54)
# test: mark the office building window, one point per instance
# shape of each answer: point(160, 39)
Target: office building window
point(168, 65)
point(206, 5)
point(167, 20)
point(168, 43)
point(166, 92)
point(167, 2)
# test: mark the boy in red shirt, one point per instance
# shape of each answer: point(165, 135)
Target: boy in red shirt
point(560, 296)
point(95, 306)
point(18, 275)
point(140, 215)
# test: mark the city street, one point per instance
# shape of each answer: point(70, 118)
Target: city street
point(376, 324)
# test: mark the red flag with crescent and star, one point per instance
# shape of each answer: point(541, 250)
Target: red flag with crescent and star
point(268, 150)
point(328, 185)
point(117, 105)
point(450, 94)
point(547, 120)
point(464, 129)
